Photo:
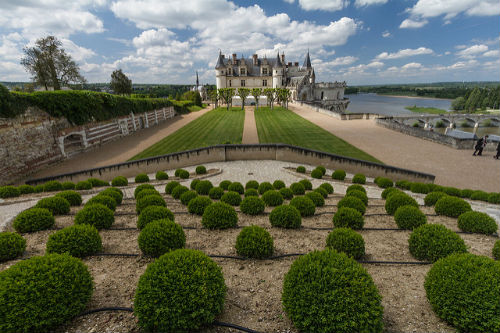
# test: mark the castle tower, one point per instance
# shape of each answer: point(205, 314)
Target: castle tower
point(220, 72)
point(278, 73)
point(197, 81)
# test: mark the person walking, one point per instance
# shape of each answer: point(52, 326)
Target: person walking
point(480, 144)
point(498, 151)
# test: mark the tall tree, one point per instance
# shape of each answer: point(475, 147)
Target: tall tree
point(243, 93)
point(214, 97)
point(256, 92)
point(227, 95)
point(120, 83)
point(50, 65)
point(271, 95)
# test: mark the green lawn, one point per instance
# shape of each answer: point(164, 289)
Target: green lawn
point(215, 127)
point(417, 109)
point(284, 126)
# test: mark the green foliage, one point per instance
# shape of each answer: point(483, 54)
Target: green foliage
point(78, 240)
point(12, 245)
point(188, 196)
point(182, 174)
point(97, 215)
point(383, 182)
point(41, 293)
point(170, 186)
point(251, 192)
point(52, 186)
point(120, 83)
point(451, 206)
point(278, 184)
point(25, 189)
point(33, 219)
point(9, 192)
point(83, 185)
point(301, 169)
point(419, 188)
point(322, 169)
point(321, 191)
point(74, 198)
point(286, 193)
point(146, 192)
point(142, 178)
point(285, 216)
point(219, 215)
point(305, 206)
point(358, 194)
point(396, 200)
point(149, 200)
point(264, 187)
point(322, 289)
point(431, 198)
point(347, 217)
point(494, 198)
point(388, 191)
point(355, 187)
point(216, 193)
point(453, 191)
point(434, 241)
point(272, 198)
point(339, 175)
point(68, 186)
point(115, 193)
point(359, 179)
point(327, 187)
point(232, 198)
point(307, 184)
point(225, 184)
point(193, 184)
point(161, 175)
point(352, 202)
point(316, 198)
point(298, 188)
point(347, 241)
point(198, 205)
point(409, 217)
point(178, 191)
point(236, 187)
point(204, 187)
point(478, 222)
point(161, 236)
point(182, 291)
point(153, 213)
point(479, 195)
point(119, 181)
point(201, 170)
point(102, 199)
point(56, 205)
point(252, 205)
point(252, 184)
point(254, 242)
point(97, 182)
point(464, 290)
point(403, 184)
point(39, 188)
point(496, 250)
point(316, 173)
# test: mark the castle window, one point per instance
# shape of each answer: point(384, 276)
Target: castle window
point(242, 71)
point(242, 83)
point(230, 83)
point(229, 71)
point(264, 83)
point(264, 71)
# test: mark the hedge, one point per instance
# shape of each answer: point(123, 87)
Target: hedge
point(359, 179)
point(286, 193)
point(397, 200)
point(26, 189)
point(34, 219)
point(317, 198)
point(12, 245)
point(201, 170)
point(225, 184)
point(83, 185)
point(105, 200)
point(236, 187)
point(149, 200)
point(141, 178)
point(431, 198)
point(307, 184)
point(264, 187)
point(482, 223)
point(496, 250)
point(451, 206)
point(301, 169)
point(272, 198)
point(74, 198)
point(358, 194)
point(187, 196)
point(9, 192)
point(327, 187)
point(339, 175)
point(119, 181)
point(216, 193)
point(254, 242)
point(161, 175)
point(78, 240)
point(279, 184)
point(317, 173)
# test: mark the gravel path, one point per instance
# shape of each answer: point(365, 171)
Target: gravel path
point(452, 167)
point(250, 128)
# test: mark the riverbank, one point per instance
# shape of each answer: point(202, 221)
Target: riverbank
point(417, 97)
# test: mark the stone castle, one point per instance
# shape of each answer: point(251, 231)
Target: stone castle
point(276, 73)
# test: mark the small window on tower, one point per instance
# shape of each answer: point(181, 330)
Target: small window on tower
point(264, 71)
point(229, 71)
point(242, 71)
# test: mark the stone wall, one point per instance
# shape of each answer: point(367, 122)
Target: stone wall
point(337, 114)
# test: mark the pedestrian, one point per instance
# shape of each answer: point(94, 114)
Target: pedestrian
point(480, 144)
point(498, 151)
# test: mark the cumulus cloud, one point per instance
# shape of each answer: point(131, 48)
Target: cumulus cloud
point(327, 5)
point(386, 34)
point(411, 65)
point(404, 53)
point(472, 51)
point(362, 3)
point(492, 53)
point(412, 24)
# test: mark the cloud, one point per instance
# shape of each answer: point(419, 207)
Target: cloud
point(451, 8)
point(411, 65)
point(412, 24)
point(386, 34)
point(326, 5)
point(405, 53)
point(362, 3)
point(492, 53)
point(341, 61)
point(472, 51)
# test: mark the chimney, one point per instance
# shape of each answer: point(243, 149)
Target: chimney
point(255, 61)
point(296, 64)
point(289, 64)
point(283, 58)
point(234, 58)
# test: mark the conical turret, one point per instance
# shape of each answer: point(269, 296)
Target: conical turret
point(307, 61)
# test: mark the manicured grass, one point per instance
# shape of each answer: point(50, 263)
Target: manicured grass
point(215, 127)
point(284, 126)
point(194, 108)
point(417, 109)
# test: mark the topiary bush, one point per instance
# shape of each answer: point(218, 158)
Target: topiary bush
point(161, 175)
point(322, 192)
point(322, 169)
point(359, 179)
point(97, 182)
point(232, 198)
point(347, 241)
point(83, 185)
point(142, 187)
point(9, 192)
point(198, 205)
point(434, 241)
point(305, 206)
point(466, 193)
point(431, 198)
point(41, 293)
point(358, 194)
point(178, 191)
point(496, 250)
point(68, 185)
point(12, 245)
point(264, 187)
point(254, 242)
point(142, 178)
point(149, 200)
point(383, 182)
point(78, 240)
point(316, 173)
point(147, 192)
point(115, 193)
point(494, 198)
point(74, 198)
point(278, 184)
point(52, 186)
point(346, 291)
point(403, 184)
point(170, 186)
point(451, 206)
point(409, 217)
point(464, 291)
point(453, 191)
point(347, 217)
point(252, 205)
point(479, 195)
point(187, 275)
point(204, 187)
point(215, 193)
point(153, 213)
point(285, 216)
point(419, 188)
point(161, 236)
point(252, 184)
point(272, 198)
point(225, 184)
point(236, 187)
point(327, 187)
point(56, 205)
point(477, 222)
point(286, 193)
point(97, 215)
point(105, 200)
point(301, 169)
point(352, 202)
point(193, 184)
point(251, 192)
point(316, 198)
point(182, 174)
point(388, 191)
point(339, 175)
point(25, 189)
point(119, 181)
point(298, 189)
point(33, 219)
point(219, 215)
point(39, 188)
point(397, 200)
point(355, 187)
point(187, 196)
point(307, 184)
point(201, 170)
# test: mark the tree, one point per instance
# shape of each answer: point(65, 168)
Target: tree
point(270, 94)
point(227, 95)
point(193, 96)
point(214, 97)
point(458, 104)
point(474, 100)
point(243, 93)
point(256, 92)
point(283, 95)
point(50, 65)
point(120, 83)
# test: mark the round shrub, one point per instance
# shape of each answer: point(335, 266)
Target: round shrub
point(170, 186)
point(142, 178)
point(397, 200)
point(119, 181)
point(74, 198)
point(114, 193)
point(352, 202)
point(56, 205)
point(204, 187)
point(358, 194)
point(464, 290)
point(78, 240)
point(431, 198)
point(9, 192)
point(479, 195)
point(201, 170)
point(252, 184)
point(285, 216)
point(147, 192)
point(97, 182)
point(26, 189)
point(41, 293)
point(83, 185)
point(496, 250)
point(193, 184)
point(347, 217)
point(177, 172)
point(278, 184)
point(161, 175)
point(384, 182)
point(316, 173)
point(451, 206)
point(327, 187)
point(305, 206)
point(97, 215)
point(388, 191)
point(39, 188)
point(307, 184)
point(494, 198)
point(339, 175)
point(347, 241)
point(346, 291)
point(12, 245)
point(149, 200)
point(219, 215)
point(436, 188)
point(52, 186)
point(251, 192)
point(301, 169)
point(466, 193)
point(286, 193)
point(225, 184)
point(409, 217)
point(188, 196)
point(232, 198)
point(178, 191)
point(142, 187)
point(264, 187)
point(153, 213)
point(403, 184)
point(419, 188)
point(198, 205)
point(477, 222)
point(183, 174)
point(254, 242)
point(434, 241)
point(33, 219)
point(252, 205)
point(316, 198)
point(105, 200)
point(68, 185)
point(321, 191)
point(453, 191)
point(355, 187)
point(236, 187)
point(322, 169)
point(272, 198)
point(297, 189)
point(182, 291)
point(359, 179)
point(160, 237)
point(116, 189)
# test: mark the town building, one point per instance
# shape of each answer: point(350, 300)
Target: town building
point(200, 88)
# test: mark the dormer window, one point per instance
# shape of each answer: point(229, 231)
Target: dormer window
point(229, 71)
point(264, 71)
point(243, 71)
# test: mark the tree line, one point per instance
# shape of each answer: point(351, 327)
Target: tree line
point(280, 95)
point(478, 98)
